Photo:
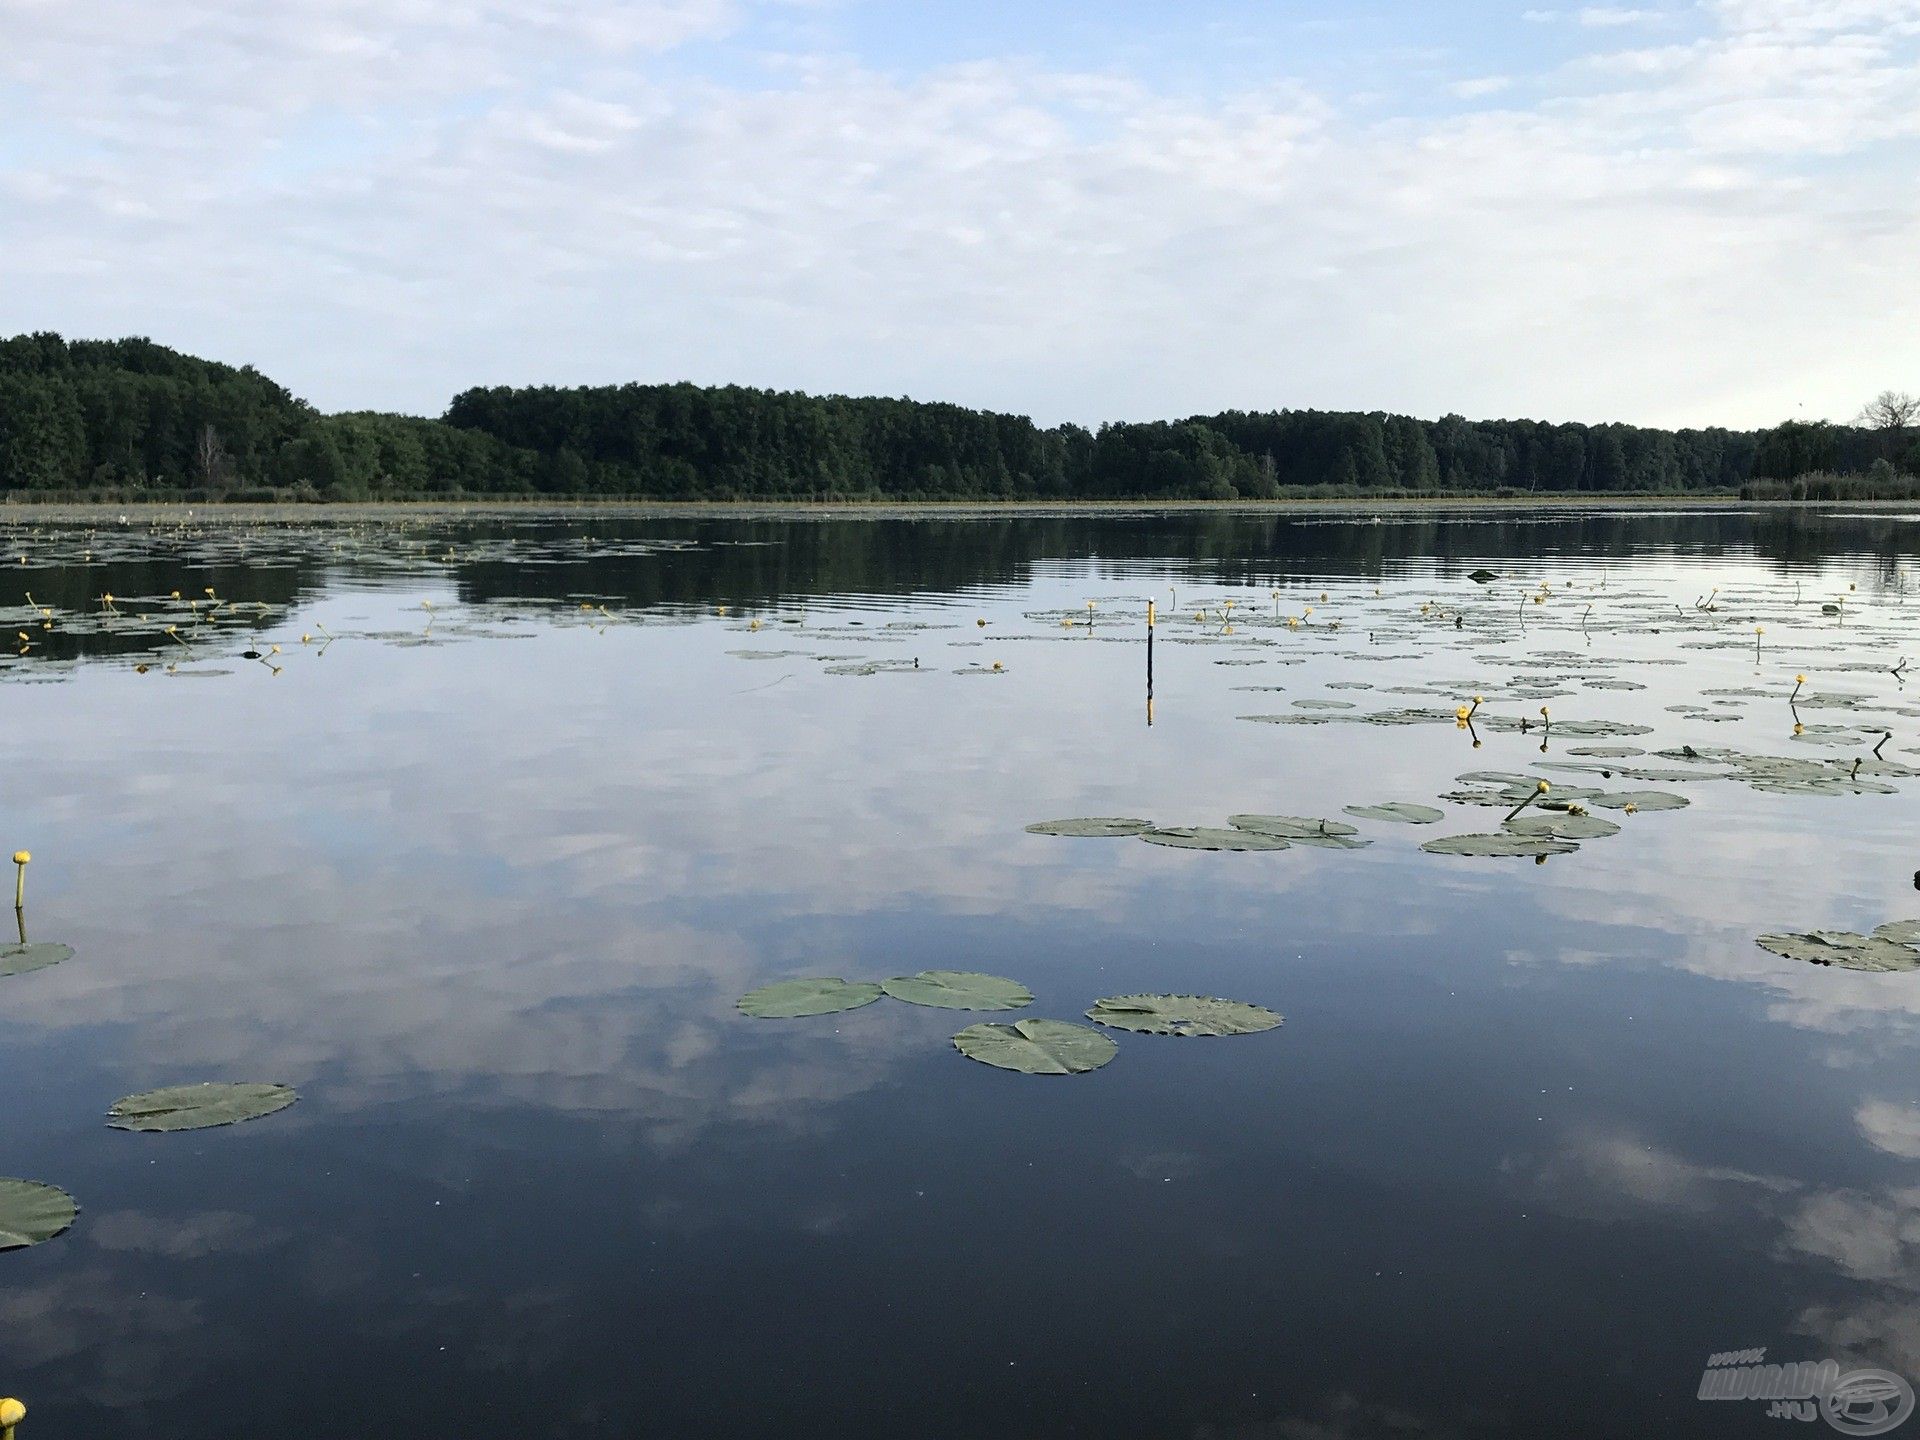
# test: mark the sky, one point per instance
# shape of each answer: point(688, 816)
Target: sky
point(1697, 213)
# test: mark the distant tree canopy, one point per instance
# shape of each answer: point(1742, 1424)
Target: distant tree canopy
point(130, 418)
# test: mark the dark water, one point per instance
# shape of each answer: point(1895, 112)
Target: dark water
point(485, 880)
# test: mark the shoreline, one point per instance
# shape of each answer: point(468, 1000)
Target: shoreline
point(240, 511)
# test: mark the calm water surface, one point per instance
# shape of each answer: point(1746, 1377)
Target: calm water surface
point(484, 875)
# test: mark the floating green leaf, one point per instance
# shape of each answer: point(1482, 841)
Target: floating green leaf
point(1406, 717)
point(1782, 775)
point(1844, 949)
point(1092, 827)
point(1499, 845)
point(1901, 932)
point(815, 995)
point(873, 667)
point(959, 990)
point(31, 1212)
point(1498, 777)
point(1563, 727)
point(1036, 1047)
point(1302, 830)
point(1373, 717)
point(1182, 1015)
point(1831, 785)
point(22, 959)
point(1509, 796)
point(1199, 837)
point(1640, 800)
point(199, 1107)
point(1398, 810)
point(1562, 827)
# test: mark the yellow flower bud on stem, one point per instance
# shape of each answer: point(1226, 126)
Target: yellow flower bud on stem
point(1539, 790)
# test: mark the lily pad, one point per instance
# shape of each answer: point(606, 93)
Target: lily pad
point(1036, 1047)
point(1844, 949)
point(1562, 827)
point(199, 1107)
point(1505, 799)
point(31, 1213)
point(1498, 777)
point(1182, 1015)
point(1564, 727)
point(815, 995)
point(1199, 837)
point(1640, 800)
point(1835, 785)
point(1302, 830)
point(959, 990)
point(23, 959)
point(1901, 932)
point(1407, 717)
point(1499, 845)
point(1400, 810)
point(1092, 827)
point(873, 667)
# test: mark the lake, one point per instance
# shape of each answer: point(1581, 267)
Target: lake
point(481, 858)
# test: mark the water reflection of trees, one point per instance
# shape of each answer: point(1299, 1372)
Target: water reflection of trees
point(771, 559)
point(645, 561)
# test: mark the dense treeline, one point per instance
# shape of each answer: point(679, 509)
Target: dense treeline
point(733, 443)
point(132, 418)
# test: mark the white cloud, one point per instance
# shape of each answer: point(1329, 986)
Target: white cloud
point(1484, 85)
point(1605, 1175)
point(1807, 17)
point(1894, 1128)
point(381, 203)
point(173, 60)
point(1866, 1236)
point(1609, 16)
